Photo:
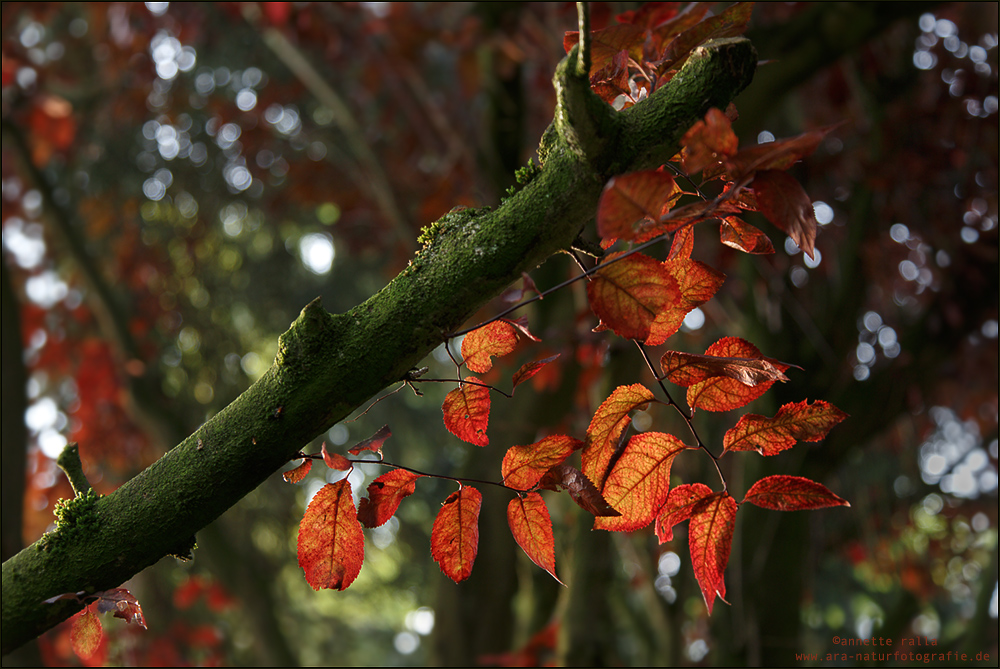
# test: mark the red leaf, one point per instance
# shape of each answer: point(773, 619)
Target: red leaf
point(123, 603)
point(777, 155)
point(331, 542)
point(497, 338)
point(529, 369)
point(708, 142)
point(299, 473)
point(632, 297)
point(733, 21)
point(581, 489)
point(631, 197)
point(336, 460)
point(682, 245)
point(798, 421)
point(791, 493)
point(782, 201)
point(86, 634)
point(384, 495)
point(697, 283)
point(607, 42)
point(639, 482)
point(467, 412)
point(455, 535)
point(744, 237)
point(710, 534)
point(524, 466)
point(372, 443)
point(610, 419)
point(531, 526)
point(731, 374)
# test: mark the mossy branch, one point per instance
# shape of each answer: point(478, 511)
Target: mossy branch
point(328, 365)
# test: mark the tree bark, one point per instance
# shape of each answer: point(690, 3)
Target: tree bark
point(330, 364)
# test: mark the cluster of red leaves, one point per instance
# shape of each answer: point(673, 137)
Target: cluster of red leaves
point(624, 484)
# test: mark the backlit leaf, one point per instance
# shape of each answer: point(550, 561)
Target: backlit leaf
point(610, 419)
point(335, 460)
point(299, 473)
point(607, 42)
point(782, 201)
point(384, 495)
point(777, 155)
point(639, 482)
point(632, 297)
point(496, 338)
point(123, 603)
point(331, 544)
point(455, 535)
point(798, 421)
point(744, 237)
point(467, 412)
point(86, 634)
point(791, 493)
point(708, 142)
point(730, 374)
point(580, 488)
point(710, 533)
point(529, 369)
point(630, 198)
point(531, 526)
point(697, 283)
point(524, 466)
point(372, 443)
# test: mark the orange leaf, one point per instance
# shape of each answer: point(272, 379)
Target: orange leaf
point(384, 495)
point(467, 412)
point(777, 155)
point(455, 535)
point(798, 421)
point(639, 482)
point(331, 542)
point(372, 443)
point(581, 489)
point(299, 473)
point(708, 141)
point(744, 237)
point(710, 533)
point(791, 493)
point(731, 374)
point(529, 369)
point(497, 338)
point(531, 526)
point(610, 419)
point(782, 201)
point(524, 466)
point(682, 245)
point(697, 283)
point(86, 634)
point(632, 197)
point(632, 297)
point(336, 460)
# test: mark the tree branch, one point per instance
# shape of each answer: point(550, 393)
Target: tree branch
point(328, 365)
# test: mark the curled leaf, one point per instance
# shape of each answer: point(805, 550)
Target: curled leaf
point(384, 495)
point(336, 460)
point(580, 488)
point(744, 237)
point(123, 603)
point(529, 369)
point(297, 474)
point(372, 443)
point(455, 534)
point(782, 200)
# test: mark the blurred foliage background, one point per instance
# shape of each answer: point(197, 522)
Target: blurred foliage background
point(180, 179)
